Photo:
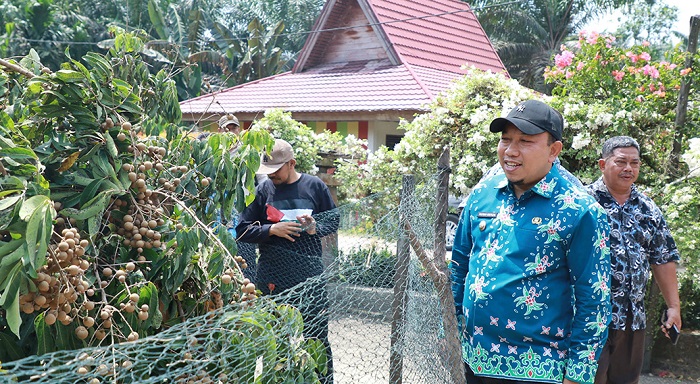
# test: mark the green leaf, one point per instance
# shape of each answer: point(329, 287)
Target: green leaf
point(157, 20)
point(10, 299)
point(94, 207)
point(38, 236)
point(102, 163)
point(18, 153)
point(111, 146)
point(149, 295)
point(99, 63)
point(90, 191)
point(10, 350)
point(45, 339)
point(69, 76)
point(80, 67)
point(7, 256)
point(7, 202)
point(63, 100)
point(32, 204)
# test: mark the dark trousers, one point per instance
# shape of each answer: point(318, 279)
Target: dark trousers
point(473, 379)
point(621, 360)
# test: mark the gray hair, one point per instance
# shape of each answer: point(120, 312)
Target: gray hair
point(613, 143)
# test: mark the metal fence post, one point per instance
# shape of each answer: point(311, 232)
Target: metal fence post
point(403, 255)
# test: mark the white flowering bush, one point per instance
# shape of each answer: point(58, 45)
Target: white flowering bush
point(460, 119)
point(309, 145)
point(681, 204)
point(281, 125)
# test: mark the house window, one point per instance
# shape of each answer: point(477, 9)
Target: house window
point(392, 140)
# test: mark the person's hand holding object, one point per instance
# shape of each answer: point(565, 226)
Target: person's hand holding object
point(286, 229)
point(308, 224)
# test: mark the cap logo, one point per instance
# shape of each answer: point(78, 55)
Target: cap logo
point(521, 108)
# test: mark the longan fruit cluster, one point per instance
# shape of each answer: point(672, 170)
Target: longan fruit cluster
point(91, 365)
point(248, 291)
point(201, 377)
point(139, 228)
point(61, 281)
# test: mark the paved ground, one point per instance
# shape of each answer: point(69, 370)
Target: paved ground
point(649, 379)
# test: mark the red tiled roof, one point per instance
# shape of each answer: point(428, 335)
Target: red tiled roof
point(425, 45)
point(439, 34)
point(356, 86)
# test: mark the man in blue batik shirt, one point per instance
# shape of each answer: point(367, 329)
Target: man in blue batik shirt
point(530, 263)
point(639, 239)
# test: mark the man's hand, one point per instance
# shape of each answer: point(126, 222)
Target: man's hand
point(308, 224)
point(286, 229)
point(673, 316)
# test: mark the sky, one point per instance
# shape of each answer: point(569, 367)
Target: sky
point(686, 9)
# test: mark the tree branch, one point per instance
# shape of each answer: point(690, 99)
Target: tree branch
point(16, 68)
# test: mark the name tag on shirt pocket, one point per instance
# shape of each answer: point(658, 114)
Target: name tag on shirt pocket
point(482, 216)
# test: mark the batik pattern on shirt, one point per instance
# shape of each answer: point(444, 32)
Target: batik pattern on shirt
point(639, 237)
point(517, 265)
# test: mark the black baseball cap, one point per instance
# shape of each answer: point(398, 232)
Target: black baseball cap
point(532, 117)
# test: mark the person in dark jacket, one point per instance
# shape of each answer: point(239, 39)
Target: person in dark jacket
point(291, 212)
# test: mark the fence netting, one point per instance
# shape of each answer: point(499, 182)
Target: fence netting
point(344, 291)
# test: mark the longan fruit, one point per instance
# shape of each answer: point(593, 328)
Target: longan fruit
point(50, 319)
point(88, 321)
point(81, 332)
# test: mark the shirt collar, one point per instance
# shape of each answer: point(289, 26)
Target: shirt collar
point(599, 187)
point(544, 187)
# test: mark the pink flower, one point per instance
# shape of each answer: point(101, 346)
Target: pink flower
point(660, 93)
point(651, 71)
point(632, 56)
point(646, 43)
point(618, 75)
point(592, 37)
point(569, 74)
point(645, 56)
point(685, 71)
point(579, 66)
point(564, 59)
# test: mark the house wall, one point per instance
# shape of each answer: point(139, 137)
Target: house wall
point(374, 127)
point(379, 130)
point(350, 44)
point(374, 131)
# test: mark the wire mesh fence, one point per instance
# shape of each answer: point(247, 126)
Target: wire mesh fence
point(347, 298)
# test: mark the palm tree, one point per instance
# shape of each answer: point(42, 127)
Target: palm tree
point(298, 17)
point(526, 35)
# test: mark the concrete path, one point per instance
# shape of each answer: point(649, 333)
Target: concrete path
point(651, 379)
